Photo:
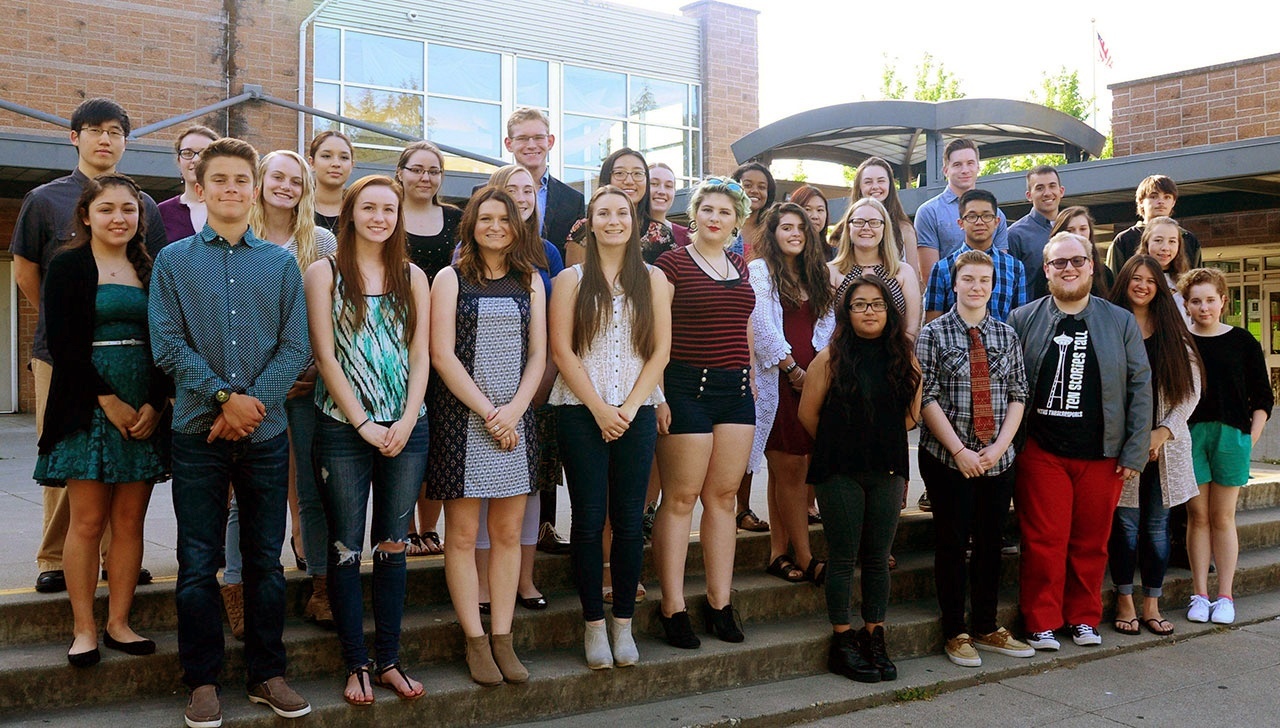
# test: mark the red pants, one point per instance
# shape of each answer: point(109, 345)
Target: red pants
point(1064, 508)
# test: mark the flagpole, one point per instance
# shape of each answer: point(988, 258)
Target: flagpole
point(1093, 53)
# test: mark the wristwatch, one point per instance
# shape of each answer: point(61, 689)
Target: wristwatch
point(222, 396)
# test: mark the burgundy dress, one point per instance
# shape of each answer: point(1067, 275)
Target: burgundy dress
point(788, 435)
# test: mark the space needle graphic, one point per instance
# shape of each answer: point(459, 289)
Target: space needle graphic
point(1058, 390)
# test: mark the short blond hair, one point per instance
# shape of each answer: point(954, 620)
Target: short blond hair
point(526, 113)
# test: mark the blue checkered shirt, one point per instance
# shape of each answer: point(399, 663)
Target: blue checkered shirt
point(943, 351)
point(228, 317)
point(1008, 289)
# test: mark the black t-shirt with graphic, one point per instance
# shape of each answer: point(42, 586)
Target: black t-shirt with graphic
point(1066, 412)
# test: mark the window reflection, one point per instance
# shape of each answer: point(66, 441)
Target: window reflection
point(588, 141)
point(589, 91)
point(326, 50)
point(531, 83)
point(401, 112)
point(463, 72)
point(383, 61)
point(467, 125)
point(658, 102)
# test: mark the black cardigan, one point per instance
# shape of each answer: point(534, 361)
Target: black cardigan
point(69, 298)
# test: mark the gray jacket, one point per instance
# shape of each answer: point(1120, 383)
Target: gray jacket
point(1122, 364)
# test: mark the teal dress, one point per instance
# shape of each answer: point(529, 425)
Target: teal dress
point(100, 453)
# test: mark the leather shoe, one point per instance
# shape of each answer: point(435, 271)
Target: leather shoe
point(138, 647)
point(549, 541)
point(51, 582)
point(84, 659)
point(144, 577)
point(536, 604)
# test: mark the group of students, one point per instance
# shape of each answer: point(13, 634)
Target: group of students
point(325, 345)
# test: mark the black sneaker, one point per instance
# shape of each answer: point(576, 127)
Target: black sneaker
point(725, 623)
point(924, 503)
point(845, 657)
point(873, 648)
point(679, 630)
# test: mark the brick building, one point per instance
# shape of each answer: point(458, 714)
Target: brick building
point(425, 68)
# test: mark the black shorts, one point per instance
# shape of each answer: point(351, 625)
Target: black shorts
point(703, 398)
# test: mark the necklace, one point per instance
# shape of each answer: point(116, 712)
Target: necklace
point(722, 276)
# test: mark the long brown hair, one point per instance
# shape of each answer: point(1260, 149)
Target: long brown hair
point(809, 278)
point(595, 295)
point(1170, 338)
point(501, 177)
point(395, 261)
point(135, 251)
point(902, 376)
point(520, 254)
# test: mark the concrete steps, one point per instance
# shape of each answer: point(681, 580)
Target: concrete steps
point(785, 626)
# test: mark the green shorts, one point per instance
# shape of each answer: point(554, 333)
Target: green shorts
point(1220, 453)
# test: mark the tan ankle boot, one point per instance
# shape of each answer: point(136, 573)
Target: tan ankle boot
point(317, 609)
point(480, 662)
point(505, 655)
point(233, 603)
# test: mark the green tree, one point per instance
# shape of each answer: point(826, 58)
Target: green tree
point(933, 82)
point(1060, 91)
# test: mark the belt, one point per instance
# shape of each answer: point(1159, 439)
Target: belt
point(121, 342)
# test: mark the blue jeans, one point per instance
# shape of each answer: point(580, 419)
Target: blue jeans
point(606, 477)
point(301, 412)
point(259, 474)
point(349, 467)
point(1140, 537)
point(859, 519)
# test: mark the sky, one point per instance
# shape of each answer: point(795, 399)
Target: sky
point(998, 48)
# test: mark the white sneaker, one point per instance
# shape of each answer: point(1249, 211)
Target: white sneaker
point(1198, 609)
point(1223, 611)
point(1043, 640)
point(1085, 635)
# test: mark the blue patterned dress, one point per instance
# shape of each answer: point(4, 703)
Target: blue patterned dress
point(492, 342)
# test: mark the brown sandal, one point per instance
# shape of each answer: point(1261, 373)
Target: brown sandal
point(749, 521)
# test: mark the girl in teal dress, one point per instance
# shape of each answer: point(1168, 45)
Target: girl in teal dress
point(100, 436)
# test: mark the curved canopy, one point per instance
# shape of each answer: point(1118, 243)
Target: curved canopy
point(911, 134)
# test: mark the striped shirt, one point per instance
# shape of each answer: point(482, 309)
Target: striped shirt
point(709, 317)
point(228, 317)
point(1008, 285)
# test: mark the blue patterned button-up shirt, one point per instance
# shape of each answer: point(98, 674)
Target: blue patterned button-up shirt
point(228, 317)
point(937, 225)
point(1008, 286)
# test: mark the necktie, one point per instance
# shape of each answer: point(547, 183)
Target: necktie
point(984, 419)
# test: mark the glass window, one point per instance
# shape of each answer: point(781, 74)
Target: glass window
point(1253, 308)
point(693, 161)
point(589, 91)
point(383, 61)
point(582, 180)
point(531, 83)
point(1233, 312)
point(660, 144)
point(326, 51)
point(324, 96)
point(695, 106)
point(462, 72)
point(587, 141)
point(400, 112)
point(658, 102)
point(467, 125)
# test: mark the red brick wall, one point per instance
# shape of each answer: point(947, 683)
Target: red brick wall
point(1225, 103)
point(730, 80)
point(1235, 228)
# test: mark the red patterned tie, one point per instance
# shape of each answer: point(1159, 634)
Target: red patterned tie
point(984, 419)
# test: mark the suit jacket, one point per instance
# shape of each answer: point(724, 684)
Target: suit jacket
point(565, 206)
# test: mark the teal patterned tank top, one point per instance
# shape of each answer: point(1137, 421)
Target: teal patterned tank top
point(374, 357)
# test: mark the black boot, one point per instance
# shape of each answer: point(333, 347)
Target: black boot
point(873, 649)
point(845, 657)
point(724, 623)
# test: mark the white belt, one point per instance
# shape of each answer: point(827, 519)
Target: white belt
point(121, 342)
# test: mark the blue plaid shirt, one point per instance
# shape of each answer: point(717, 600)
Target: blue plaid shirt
point(228, 317)
point(1008, 288)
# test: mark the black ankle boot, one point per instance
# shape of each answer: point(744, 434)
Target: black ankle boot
point(845, 658)
point(725, 623)
point(873, 648)
point(679, 630)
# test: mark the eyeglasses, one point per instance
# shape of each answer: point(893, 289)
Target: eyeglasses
point(188, 154)
point(535, 138)
point(1076, 261)
point(115, 134)
point(635, 174)
point(729, 182)
point(419, 171)
point(862, 306)
point(858, 223)
point(973, 217)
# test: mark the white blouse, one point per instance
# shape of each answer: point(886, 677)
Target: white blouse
point(611, 361)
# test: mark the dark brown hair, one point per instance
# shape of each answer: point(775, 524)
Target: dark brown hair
point(1170, 338)
point(136, 249)
point(847, 386)
point(395, 261)
point(809, 278)
point(1154, 183)
point(594, 306)
point(422, 146)
point(520, 253)
point(758, 216)
point(803, 194)
point(322, 136)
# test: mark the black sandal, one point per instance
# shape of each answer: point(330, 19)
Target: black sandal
point(382, 683)
point(783, 568)
point(816, 572)
point(1157, 626)
point(747, 520)
point(362, 677)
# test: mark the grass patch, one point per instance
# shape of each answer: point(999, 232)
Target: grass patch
point(909, 695)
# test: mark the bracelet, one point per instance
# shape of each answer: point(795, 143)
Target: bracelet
point(362, 424)
point(962, 449)
point(791, 368)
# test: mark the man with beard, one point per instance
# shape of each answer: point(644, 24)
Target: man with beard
point(1088, 428)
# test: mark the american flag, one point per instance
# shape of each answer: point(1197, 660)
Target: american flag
point(1104, 54)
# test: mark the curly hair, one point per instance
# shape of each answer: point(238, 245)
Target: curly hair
point(136, 249)
point(903, 376)
point(808, 278)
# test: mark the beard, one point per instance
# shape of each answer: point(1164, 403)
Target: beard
point(1070, 292)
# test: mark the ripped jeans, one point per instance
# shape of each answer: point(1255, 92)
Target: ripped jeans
point(346, 468)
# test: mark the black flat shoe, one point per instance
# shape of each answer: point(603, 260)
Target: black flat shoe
point(484, 607)
point(536, 604)
point(137, 648)
point(679, 630)
point(85, 659)
point(51, 582)
point(144, 577)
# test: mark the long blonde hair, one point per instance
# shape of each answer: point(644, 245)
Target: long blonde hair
point(844, 261)
point(304, 213)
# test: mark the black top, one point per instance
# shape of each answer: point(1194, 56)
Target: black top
point(327, 222)
point(1235, 382)
point(433, 253)
point(1066, 407)
point(564, 206)
point(869, 436)
point(1125, 245)
point(70, 301)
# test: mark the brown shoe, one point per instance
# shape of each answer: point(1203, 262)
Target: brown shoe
point(505, 655)
point(203, 708)
point(233, 603)
point(480, 662)
point(281, 698)
point(317, 609)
